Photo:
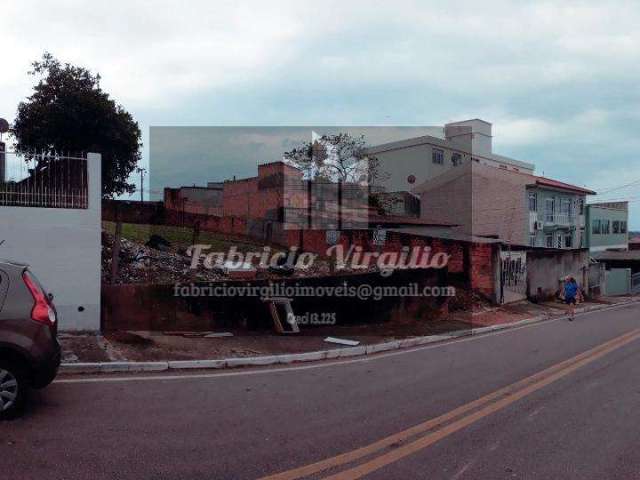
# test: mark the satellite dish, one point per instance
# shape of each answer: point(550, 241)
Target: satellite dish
point(4, 126)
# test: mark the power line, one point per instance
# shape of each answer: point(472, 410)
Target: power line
point(619, 187)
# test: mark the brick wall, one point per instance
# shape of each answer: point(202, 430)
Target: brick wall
point(482, 270)
point(156, 308)
point(478, 269)
point(150, 213)
point(201, 200)
point(154, 213)
point(483, 200)
point(276, 186)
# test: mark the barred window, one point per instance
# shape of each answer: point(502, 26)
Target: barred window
point(596, 227)
point(437, 156)
point(549, 241)
point(616, 226)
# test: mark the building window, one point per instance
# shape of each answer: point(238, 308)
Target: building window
point(596, 227)
point(549, 207)
point(456, 159)
point(533, 202)
point(559, 242)
point(437, 156)
point(623, 226)
point(616, 226)
point(532, 240)
point(549, 241)
point(568, 241)
point(565, 209)
point(581, 206)
point(605, 227)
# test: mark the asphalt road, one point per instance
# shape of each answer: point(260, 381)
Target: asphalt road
point(574, 414)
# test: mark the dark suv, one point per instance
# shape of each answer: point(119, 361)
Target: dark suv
point(29, 349)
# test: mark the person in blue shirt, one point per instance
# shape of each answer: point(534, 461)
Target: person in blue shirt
point(571, 290)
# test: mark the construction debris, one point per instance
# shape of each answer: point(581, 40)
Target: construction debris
point(284, 270)
point(342, 341)
point(167, 264)
point(284, 320)
point(142, 264)
point(198, 334)
point(159, 243)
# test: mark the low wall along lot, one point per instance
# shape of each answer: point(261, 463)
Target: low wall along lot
point(157, 308)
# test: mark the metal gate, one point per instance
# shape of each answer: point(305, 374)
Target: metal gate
point(635, 283)
point(596, 278)
point(513, 276)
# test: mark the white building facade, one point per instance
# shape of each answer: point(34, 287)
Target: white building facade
point(404, 164)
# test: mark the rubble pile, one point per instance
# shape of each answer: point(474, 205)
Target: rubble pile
point(467, 301)
point(142, 264)
point(165, 264)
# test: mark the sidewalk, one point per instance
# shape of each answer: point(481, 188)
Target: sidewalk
point(144, 351)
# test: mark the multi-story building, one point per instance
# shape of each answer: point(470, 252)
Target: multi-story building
point(517, 207)
point(607, 226)
point(556, 213)
point(404, 164)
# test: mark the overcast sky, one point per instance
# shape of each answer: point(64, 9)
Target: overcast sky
point(558, 80)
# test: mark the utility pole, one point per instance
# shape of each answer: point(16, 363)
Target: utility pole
point(141, 171)
point(4, 128)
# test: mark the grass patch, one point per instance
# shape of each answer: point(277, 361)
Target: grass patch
point(182, 237)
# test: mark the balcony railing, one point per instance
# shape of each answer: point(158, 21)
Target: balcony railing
point(554, 218)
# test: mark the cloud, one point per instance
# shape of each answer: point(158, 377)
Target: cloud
point(558, 79)
point(161, 52)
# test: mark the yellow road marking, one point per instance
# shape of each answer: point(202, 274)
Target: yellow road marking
point(502, 397)
point(391, 457)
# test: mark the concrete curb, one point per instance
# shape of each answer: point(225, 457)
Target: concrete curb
point(284, 359)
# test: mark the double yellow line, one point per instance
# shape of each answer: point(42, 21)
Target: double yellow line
point(440, 427)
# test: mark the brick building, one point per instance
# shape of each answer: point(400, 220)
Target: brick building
point(276, 186)
point(199, 200)
point(276, 201)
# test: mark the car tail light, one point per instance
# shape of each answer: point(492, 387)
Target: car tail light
point(41, 311)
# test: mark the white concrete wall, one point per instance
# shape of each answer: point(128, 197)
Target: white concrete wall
point(546, 270)
point(63, 247)
point(617, 281)
point(476, 133)
point(395, 166)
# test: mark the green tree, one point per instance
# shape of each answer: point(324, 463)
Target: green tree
point(68, 112)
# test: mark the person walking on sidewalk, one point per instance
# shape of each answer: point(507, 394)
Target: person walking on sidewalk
point(571, 291)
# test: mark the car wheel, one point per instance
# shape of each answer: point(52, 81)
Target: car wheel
point(13, 390)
